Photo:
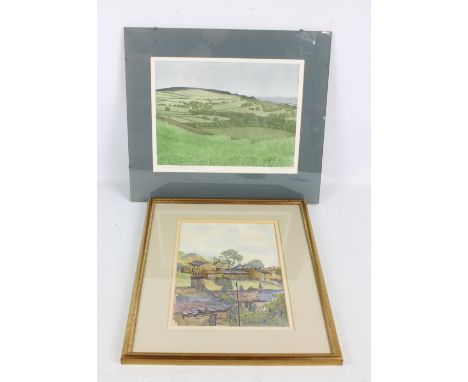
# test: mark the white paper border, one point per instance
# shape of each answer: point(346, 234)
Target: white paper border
point(227, 169)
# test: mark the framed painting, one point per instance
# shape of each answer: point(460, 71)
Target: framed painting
point(226, 113)
point(229, 282)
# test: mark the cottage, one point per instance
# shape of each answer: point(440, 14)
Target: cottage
point(239, 272)
point(234, 275)
point(219, 265)
point(275, 277)
point(260, 274)
point(198, 266)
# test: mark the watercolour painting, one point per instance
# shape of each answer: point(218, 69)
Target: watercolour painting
point(229, 274)
point(226, 115)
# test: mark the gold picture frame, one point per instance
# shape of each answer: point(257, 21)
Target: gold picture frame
point(130, 356)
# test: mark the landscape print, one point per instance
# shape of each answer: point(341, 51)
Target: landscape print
point(229, 275)
point(226, 115)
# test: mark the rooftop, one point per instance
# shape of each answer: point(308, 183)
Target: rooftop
point(197, 263)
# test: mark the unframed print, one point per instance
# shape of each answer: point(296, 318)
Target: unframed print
point(226, 115)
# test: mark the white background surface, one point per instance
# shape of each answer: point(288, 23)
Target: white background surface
point(341, 220)
point(48, 199)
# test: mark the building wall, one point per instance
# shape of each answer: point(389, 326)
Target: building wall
point(222, 319)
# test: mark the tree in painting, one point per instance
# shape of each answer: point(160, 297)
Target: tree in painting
point(241, 285)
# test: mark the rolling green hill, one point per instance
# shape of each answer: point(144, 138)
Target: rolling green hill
point(203, 127)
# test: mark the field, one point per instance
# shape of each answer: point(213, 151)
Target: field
point(197, 127)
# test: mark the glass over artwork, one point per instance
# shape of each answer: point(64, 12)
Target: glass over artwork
point(229, 274)
point(226, 114)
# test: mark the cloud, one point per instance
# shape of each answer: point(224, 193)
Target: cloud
point(252, 79)
point(252, 241)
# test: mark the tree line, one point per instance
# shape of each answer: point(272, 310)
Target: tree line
point(279, 121)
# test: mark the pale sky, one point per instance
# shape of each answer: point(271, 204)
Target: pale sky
point(245, 78)
point(253, 241)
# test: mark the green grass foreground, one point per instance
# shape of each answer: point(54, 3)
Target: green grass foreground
point(178, 146)
point(203, 127)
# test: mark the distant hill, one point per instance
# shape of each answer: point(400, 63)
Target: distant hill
point(227, 125)
point(281, 100)
point(181, 88)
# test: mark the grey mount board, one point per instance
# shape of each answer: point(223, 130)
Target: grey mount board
point(143, 43)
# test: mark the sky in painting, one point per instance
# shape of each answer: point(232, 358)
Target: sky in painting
point(252, 241)
point(245, 78)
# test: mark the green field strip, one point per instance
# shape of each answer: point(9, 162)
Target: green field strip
point(179, 146)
